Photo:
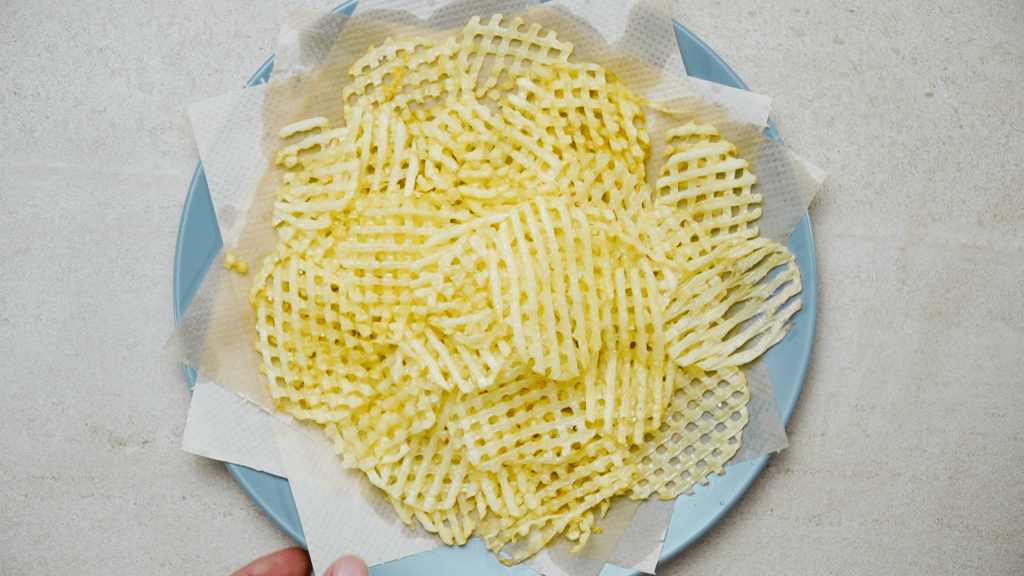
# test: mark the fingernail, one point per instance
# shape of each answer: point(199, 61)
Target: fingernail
point(348, 566)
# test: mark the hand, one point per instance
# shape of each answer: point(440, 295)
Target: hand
point(295, 562)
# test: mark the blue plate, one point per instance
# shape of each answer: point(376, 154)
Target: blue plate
point(199, 242)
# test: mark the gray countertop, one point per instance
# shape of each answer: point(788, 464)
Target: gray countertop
point(907, 445)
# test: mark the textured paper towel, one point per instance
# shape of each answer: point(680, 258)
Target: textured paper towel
point(762, 403)
point(216, 355)
point(223, 426)
point(229, 146)
point(305, 41)
point(556, 559)
point(748, 107)
point(640, 546)
point(341, 512)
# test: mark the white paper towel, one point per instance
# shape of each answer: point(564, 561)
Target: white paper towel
point(223, 426)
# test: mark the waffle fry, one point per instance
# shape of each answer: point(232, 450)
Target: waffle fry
point(487, 309)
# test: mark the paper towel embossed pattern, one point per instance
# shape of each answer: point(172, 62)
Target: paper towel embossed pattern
point(478, 296)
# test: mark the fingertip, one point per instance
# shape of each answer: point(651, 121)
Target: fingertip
point(296, 561)
point(287, 562)
point(348, 566)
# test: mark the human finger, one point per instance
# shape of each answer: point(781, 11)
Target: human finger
point(287, 562)
point(348, 566)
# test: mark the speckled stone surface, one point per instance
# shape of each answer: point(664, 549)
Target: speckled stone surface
point(907, 445)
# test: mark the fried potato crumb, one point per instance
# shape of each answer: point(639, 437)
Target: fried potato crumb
point(239, 266)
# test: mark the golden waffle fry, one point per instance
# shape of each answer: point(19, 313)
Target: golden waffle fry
point(564, 495)
point(735, 308)
point(529, 420)
point(711, 188)
point(548, 287)
point(490, 313)
point(589, 120)
point(701, 432)
point(526, 49)
point(430, 475)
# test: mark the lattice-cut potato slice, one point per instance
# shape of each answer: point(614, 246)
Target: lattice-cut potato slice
point(300, 340)
point(380, 430)
point(465, 343)
point(711, 189)
point(477, 158)
point(502, 495)
point(548, 289)
point(454, 525)
point(501, 40)
point(561, 496)
point(701, 432)
point(736, 307)
point(589, 121)
point(399, 74)
point(465, 150)
point(452, 365)
point(312, 196)
point(431, 474)
point(530, 420)
point(633, 374)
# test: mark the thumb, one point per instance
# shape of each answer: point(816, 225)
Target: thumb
point(348, 566)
